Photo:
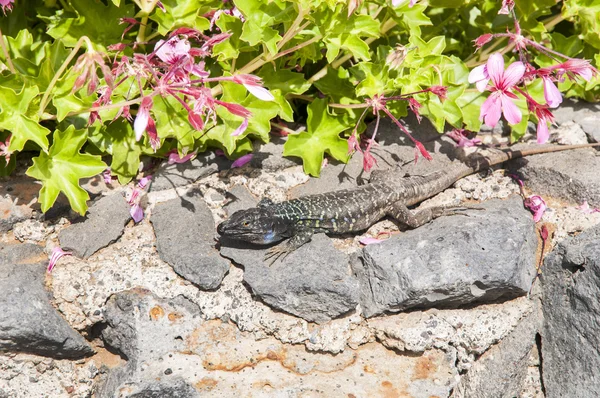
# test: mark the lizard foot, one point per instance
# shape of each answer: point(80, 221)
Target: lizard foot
point(277, 252)
point(456, 210)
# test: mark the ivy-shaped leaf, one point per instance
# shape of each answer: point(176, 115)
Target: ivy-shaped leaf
point(180, 13)
point(322, 136)
point(61, 169)
point(16, 117)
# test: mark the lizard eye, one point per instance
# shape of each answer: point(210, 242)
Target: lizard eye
point(246, 224)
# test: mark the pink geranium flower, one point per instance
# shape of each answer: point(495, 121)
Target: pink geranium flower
point(551, 94)
point(501, 100)
point(536, 205)
point(57, 253)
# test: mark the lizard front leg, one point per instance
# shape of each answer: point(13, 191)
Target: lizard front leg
point(415, 219)
point(282, 250)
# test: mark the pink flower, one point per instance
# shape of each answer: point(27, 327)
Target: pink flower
point(235, 109)
point(368, 160)
point(4, 149)
point(141, 119)
point(143, 182)
point(240, 130)
point(175, 158)
point(500, 101)
point(414, 106)
point(57, 253)
point(173, 50)
point(551, 94)
point(6, 5)
point(461, 138)
point(440, 91)
point(578, 67)
point(586, 209)
point(507, 7)
point(107, 176)
point(419, 148)
point(482, 40)
point(136, 212)
point(254, 85)
point(365, 240)
point(242, 161)
point(153, 134)
point(536, 205)
point(353, 144)
point(544, 117)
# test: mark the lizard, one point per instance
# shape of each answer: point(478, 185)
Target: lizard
point(356, 209)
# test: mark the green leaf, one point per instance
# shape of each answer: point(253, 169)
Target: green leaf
point(322, 136)
point(118, 139)
point(229, 48)
point(172, 121)
point(99, 22)
point(61, 169)
point(260, 17)
point(16, 117)
point(66, 101)
point(180, 13)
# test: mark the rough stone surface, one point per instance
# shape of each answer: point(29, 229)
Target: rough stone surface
point(170, 342)
point(269, 156)
point(312, 282)
point(103, 225)
point(500, 372)
point(489, 255)
point(28, 322)
point(569, 175)
point(185, 238)
point(571, 304)
point(241, 199)
point(179, 174)
point(174, 389)
point(586, 114)
point(12, 213)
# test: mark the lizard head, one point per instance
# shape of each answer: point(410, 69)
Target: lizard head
point(257, 225)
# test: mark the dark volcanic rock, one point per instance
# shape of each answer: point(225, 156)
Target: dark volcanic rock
point(103, 225)
point(175, 389)
point(185, 238)
point(452, 261)
point(180, 174)
point(500, 372)
point(571, 304)
point(586, 114)
point(269, 156)
point(28, 322)
point(241, 199)
point(312, 283)
point(569, 175)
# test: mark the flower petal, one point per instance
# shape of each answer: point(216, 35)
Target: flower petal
point(478, 73)
point(542, 131)
point(551, 94)
point(240, 129)
point(365, 240)
point(513, 74)
point(259, 92)
point(491, 110)
point(242, 161)
point(481, 85)
point(495, 68)
point(511, 112)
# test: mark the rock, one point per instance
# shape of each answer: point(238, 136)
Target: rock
point(269, 156)
point(568, 133)
point(180, 174)
point(570, 339)
point(12, 213)
point(174, 389)
point(168, 341)
point(312, 282)
point(241, 199)
point(28, 322)
point(185, 238)
point(569, 175)
point(586, 114)
point(501, 371)
point(103, 225)
point(452, 261)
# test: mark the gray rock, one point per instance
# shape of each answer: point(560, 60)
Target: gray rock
point(500, 372)
point(180, 174)
point(185, 238)
point(569, 175)
point(175, 389)
point(12, 213)
point(103, 225)
point(141, 327)
point(241, 199)
point(269, 156)
point(586, 114)
point(571, 304)
point(452, 261)
point(28, 322)
point(312, 282)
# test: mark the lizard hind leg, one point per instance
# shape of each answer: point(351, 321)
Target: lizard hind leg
point(415, 219)
point(282, 250)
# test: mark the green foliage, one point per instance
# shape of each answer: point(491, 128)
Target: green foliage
point(310, 54)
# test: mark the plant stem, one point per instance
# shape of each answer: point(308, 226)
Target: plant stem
point(100, 108)
point(6, 53)
point(141, 36)
point(287, 129)
point(59, 72)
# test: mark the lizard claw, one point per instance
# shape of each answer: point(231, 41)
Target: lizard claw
point(459, 210)
point(275, 253)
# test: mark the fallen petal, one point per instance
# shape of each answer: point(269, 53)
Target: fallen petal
point(365, 240)
point(57, 253)
point(242, 161)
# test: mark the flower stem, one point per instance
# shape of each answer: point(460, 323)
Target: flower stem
point(6, 53)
